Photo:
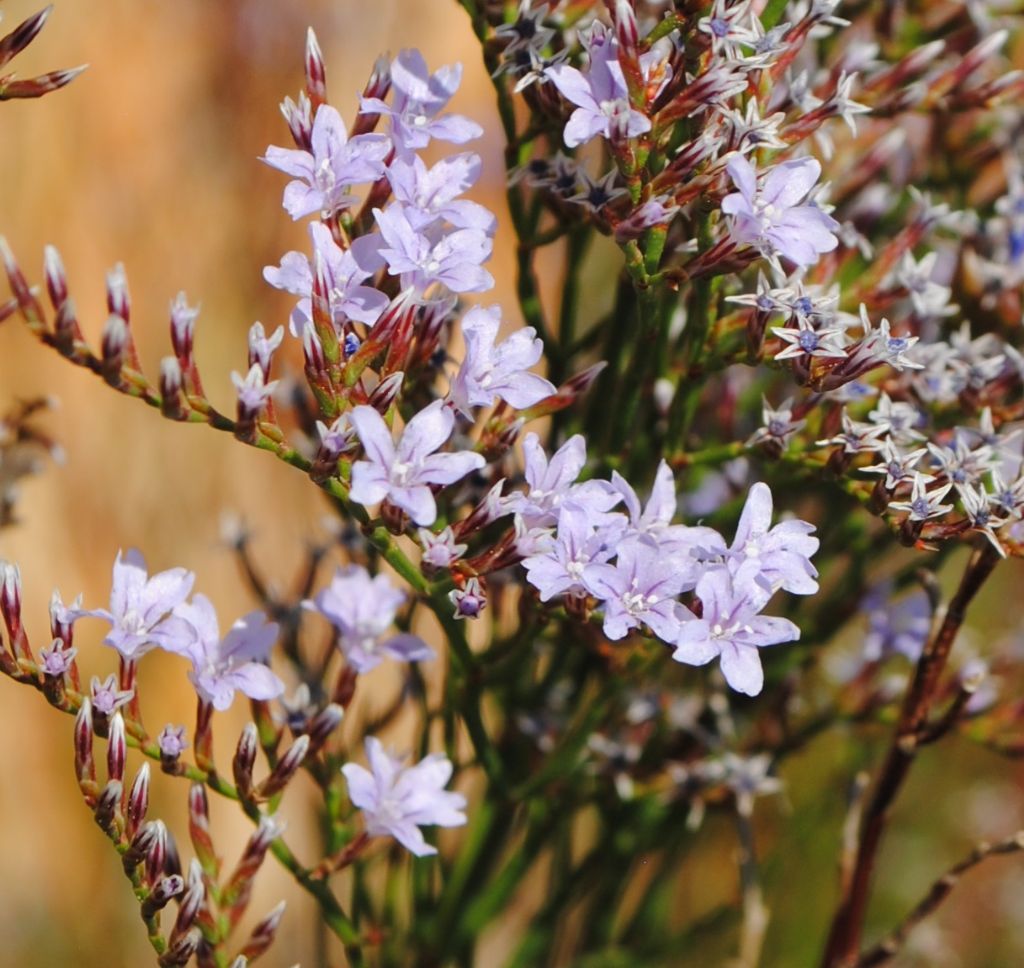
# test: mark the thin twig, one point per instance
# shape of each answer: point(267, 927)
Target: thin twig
point(890, 946)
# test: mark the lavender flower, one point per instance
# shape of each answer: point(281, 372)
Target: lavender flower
point(731, 628)
point(397, 800)
point(345, 271)
point(334, 164)
point(771, 217)
point(781, 555)
point(551, 483)
point(362, 608)
point(601, 96)
point(141, 605)
point(640, 589)
point(222, 667)
point(419, 97)
point(403, 473)
point(430, 195)
point(422, 259)
point(489, 370)
point(562, 567)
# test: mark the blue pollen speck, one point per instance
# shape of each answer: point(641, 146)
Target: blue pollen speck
point(351, 344)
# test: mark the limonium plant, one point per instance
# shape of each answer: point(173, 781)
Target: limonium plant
point(606, 554)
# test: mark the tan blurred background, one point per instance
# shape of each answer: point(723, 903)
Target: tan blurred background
point(150, 158)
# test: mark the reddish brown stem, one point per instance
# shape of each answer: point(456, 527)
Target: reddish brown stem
point(844, 937)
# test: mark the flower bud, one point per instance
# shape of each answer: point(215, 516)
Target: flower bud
point(66, 330)
point(199, 829)
point(156, 856)
point(235, 894)
point(113, 346)
point(27, 302)
point(108, 804)
point(262, 936)
point(191, 903)
point(163, 893)
point(10, 597)
point(118, 301)
point(244, 760)
point(23, 35)
point(299, 118)
point(140, 845)
point(183, 324)
point(313, 351)
point(138, 802)
point(470, 601)
point(316, 77)
point(171, 380)
point(181, 950)
point(56, 278)
point(377, 87)
point(386, 392)
point(172, 743)
point(323, 724)
point(85, 767)
point(117, 748)
point(286, 768)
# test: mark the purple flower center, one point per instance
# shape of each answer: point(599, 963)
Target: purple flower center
point(808, 340)
point(719, 27)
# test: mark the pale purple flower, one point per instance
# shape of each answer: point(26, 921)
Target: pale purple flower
point(924, 504)
point(563, 566)
point(899, 626)
point(253, 391)
point(641, 588)
point(490, 370)
point(470, 601)
point(362, 608)
point(655, 521)
point(772, 218)
point(140, 606)
point(56, 660)
point(403, 473)
point(600, 95)
point(431, 195)
point(172, 741)
point(781, 554)
point(397, 800)
point(222, 667)
point(418, 99)
point(552, 483)
point(440, 550)
point(421, 259)
point(106, 697)
point(324, 175)
point(731, 629)
point(344, 269)
point(263, 347)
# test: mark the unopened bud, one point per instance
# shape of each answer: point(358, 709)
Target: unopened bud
point(299, 118)
point(323, 724)
point(181, 950)
point(199, 829)
point(470, 601)
point(117, 748)
point(85, 767)
point(56, 278)
point(191, 902)
point(171, 378)
point(118, 301)
point(245, 759)
point(66, 330)
point(286, 768)
point(166, 889)
point(316, 76)
point(112, 348)
point(377, 88)
point(108, 804)
point(172, 864)
point(183, 324)
point(23, 35)
point(156, 856)
point(10, 596)
point(386, 392)
point(262, 936)
point(140, 845)
point(138, 801)
point(313, 350)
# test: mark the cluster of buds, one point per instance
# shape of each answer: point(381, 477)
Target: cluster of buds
point(12, 45)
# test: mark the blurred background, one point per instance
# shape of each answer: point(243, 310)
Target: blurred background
point(151, 158)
